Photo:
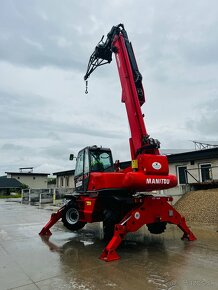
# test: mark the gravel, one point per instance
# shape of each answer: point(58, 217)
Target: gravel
point(199, 206)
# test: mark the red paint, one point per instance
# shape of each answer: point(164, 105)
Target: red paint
point(152, 172)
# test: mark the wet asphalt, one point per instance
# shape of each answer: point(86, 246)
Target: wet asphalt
point(69, 260)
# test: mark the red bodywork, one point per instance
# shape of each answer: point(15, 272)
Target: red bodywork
point(153, 170)
point(130, 98)
point(146, 178)
point(151, 210)
point(150, 173)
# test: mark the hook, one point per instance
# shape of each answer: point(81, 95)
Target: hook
point(86, 91)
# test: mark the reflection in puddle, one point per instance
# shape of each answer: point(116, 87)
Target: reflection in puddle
point(147, 261)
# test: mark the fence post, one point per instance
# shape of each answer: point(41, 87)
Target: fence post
point(54, 196)
point(30, 196)
point(21, 195)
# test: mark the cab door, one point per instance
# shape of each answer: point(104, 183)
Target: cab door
point(82, 171)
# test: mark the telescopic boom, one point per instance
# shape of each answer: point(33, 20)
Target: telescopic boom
point(117, 42)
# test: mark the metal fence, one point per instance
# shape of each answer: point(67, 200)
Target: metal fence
point(25, 194)
point(202, 174)
point(44, 195)
point(59, 193)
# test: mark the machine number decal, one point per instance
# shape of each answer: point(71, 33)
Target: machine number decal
point(156, 165)
point(79, 183)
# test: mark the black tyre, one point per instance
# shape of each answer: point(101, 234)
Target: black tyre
point(110, 219)
point(157, 228)
point(70, 218)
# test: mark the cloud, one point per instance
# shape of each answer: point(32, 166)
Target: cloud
point(38, 35)
point(31, 119)
point(44, 51)
point(205, 120)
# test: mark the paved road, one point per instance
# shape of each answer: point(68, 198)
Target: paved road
point(70, 261)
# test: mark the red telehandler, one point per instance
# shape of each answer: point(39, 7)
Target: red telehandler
point(122, 199)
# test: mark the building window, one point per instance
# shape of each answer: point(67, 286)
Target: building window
point(34, 177)
point(18, 177)
point(205, 172)
point(182, 174)
point(62, 181)
point(67, 181)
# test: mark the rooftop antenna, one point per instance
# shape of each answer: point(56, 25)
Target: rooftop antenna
point(201, 145)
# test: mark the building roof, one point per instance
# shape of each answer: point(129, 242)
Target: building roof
point(27, 173)
point(211, 153)
point(66, 172)
point(173, 151)
point(9, 183)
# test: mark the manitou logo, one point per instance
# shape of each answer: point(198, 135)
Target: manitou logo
point(157, 181)
point(156, 165)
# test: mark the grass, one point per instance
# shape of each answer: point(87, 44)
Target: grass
point(10, 196)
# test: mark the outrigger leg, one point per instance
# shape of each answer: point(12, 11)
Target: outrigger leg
point(54, 218)
point(152, 210)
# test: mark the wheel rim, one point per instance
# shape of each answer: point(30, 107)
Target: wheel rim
point(72, 216)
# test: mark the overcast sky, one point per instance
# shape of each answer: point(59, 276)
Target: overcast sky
point(44, 50)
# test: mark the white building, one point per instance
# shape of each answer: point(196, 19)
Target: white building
point(194, 169)
point(28, 177)
point(65, 179)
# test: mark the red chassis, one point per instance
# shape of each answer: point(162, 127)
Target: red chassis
point(147, 210)
point(149, 171)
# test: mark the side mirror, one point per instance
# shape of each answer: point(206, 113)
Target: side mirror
point(72, 156)
point(117, 165)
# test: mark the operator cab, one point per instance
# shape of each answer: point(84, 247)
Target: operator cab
point(91, 159)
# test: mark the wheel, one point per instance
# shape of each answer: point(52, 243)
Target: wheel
point(70, 218)
point(157, 228)
point(110, 219)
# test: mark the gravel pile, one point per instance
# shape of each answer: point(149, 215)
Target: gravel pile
point(199, 206)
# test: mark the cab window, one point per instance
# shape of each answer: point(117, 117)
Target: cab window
point(86, 166)
point(79, 163)
point(101, 161)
